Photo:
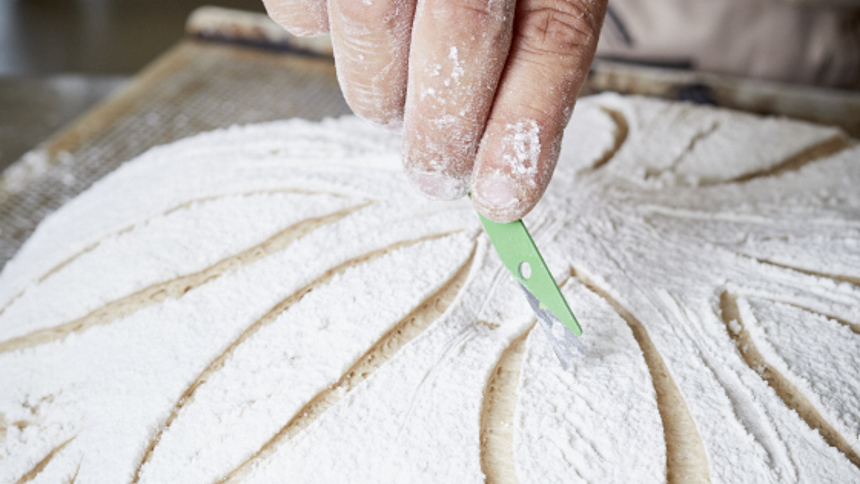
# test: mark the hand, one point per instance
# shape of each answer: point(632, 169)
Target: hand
point(482, 88)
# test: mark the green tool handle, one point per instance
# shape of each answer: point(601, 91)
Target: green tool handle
point(520, 255)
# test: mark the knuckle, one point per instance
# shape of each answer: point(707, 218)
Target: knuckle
point(558, 29)
point(371, 15)
point(304, 27)
point(382, 105)
point(468, 13)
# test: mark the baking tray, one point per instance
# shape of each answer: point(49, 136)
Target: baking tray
point(196, 86)
point(237, 67)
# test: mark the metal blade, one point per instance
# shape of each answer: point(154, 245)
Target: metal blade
point(565, 344)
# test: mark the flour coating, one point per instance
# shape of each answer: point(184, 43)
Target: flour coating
point(687, 228)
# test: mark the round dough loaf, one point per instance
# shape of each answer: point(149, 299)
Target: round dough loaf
point(274, 303)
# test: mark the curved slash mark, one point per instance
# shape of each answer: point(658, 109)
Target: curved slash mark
point(735, 217)
point(40, 466)
point(381, 352)
point(175, 288)
point(181, 206)
point(823, 149)
point(622, 130)
point(497, 414)
point(785, 390)
point(686, 459)
point(467, 334)
point(851, 279)
point(75, 475)
point(691, 145)
point(854, 327)
point(268, 318)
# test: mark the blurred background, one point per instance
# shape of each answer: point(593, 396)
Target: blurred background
point(92, 37)
point(59, 57)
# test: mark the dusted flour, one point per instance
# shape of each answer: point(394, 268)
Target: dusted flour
point(274, 303)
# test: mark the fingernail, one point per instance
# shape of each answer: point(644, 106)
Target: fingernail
point(497, 190)
point(440, 186)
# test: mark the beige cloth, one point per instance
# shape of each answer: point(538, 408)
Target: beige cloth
point(796, 41)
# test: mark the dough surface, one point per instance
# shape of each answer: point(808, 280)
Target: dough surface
point(274, 303)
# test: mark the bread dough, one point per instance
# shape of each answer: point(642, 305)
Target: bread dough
point(275, 303)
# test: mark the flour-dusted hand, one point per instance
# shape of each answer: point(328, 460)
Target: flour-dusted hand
point(482, 88)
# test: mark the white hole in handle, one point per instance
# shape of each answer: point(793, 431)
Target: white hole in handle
point(525, 270)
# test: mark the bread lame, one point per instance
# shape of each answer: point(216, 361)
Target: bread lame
point(522, 258)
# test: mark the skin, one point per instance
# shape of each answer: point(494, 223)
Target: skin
point(481, 88)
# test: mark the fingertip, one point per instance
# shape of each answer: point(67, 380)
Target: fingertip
point(501, 198)
point(514, 164)
point(302, 18)
point(497, 192)
point(433, 159)
point(437, 185)
point(389, 120)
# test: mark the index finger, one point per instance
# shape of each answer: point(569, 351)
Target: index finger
point(552, 49)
